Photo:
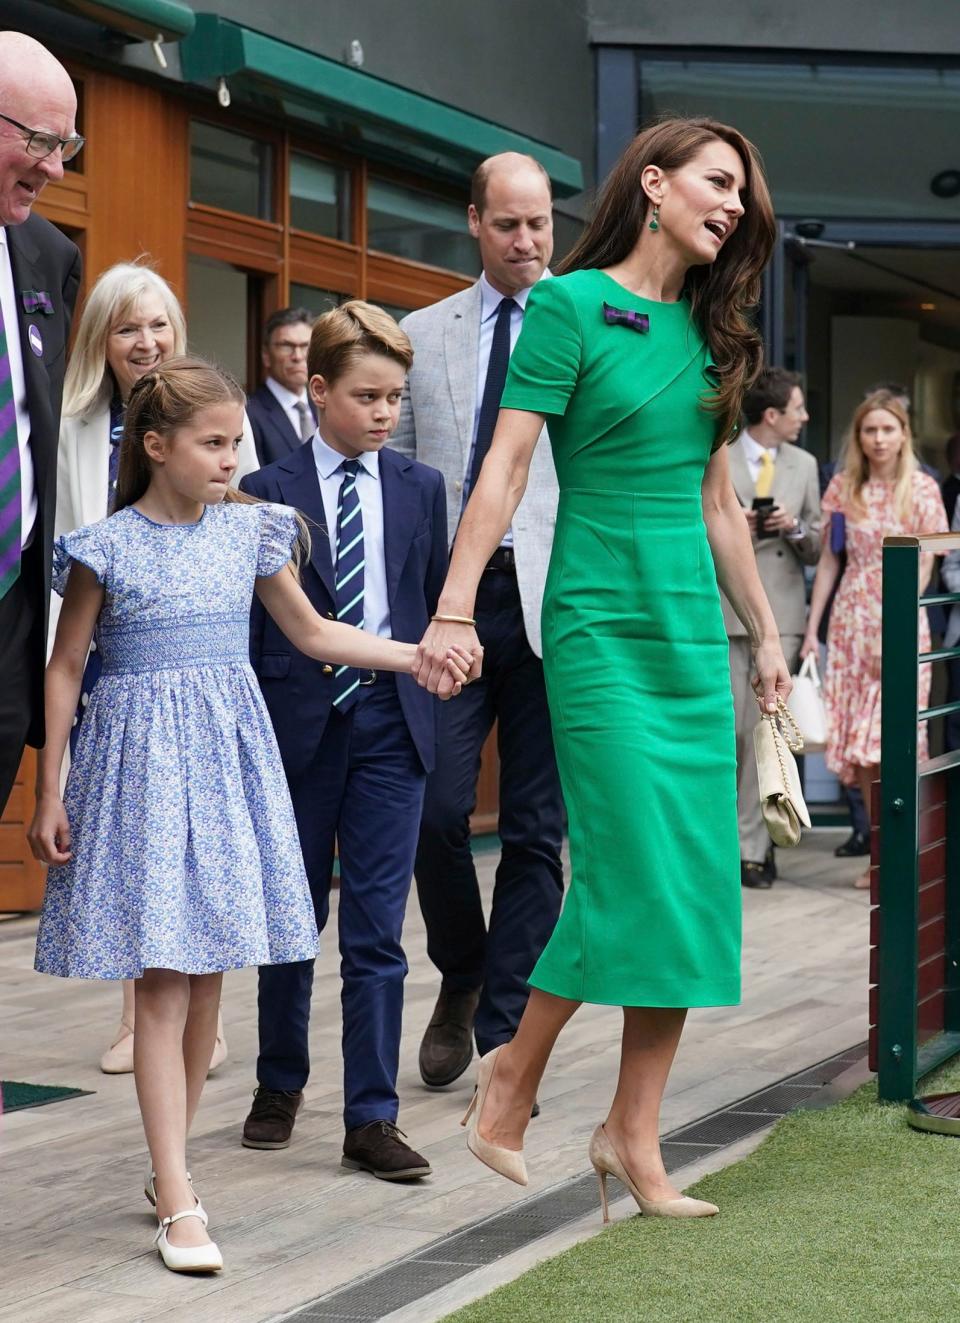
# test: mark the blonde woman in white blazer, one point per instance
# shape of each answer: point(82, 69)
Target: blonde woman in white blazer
point(131, 322)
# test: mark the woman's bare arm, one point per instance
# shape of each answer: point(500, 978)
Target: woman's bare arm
point(491, 507)
point(828, 572)
point(343, 645)
point(736, 563)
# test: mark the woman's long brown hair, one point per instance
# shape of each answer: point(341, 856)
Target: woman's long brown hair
point(722, 294)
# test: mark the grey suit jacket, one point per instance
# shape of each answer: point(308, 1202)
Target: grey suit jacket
point(436, 427)
point(779, 560)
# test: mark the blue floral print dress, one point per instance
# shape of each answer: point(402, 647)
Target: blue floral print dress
point(185, 848)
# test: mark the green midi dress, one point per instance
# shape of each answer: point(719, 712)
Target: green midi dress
point(634, 651)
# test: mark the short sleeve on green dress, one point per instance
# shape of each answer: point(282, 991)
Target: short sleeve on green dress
point(545, 363)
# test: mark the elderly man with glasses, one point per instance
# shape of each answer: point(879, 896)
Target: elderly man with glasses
point(39, 276)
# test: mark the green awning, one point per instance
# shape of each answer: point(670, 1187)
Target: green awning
point(144, 19)
point(364, 112)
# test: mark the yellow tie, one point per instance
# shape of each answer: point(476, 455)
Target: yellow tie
point(765, 478)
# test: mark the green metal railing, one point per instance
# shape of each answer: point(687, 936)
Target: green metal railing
point(917, 921)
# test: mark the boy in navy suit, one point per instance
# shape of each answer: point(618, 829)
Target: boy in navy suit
point(356, 746)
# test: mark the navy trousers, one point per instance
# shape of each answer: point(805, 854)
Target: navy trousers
point(364, 792)
point(529, 883)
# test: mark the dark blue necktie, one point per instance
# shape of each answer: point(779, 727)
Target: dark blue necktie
point(117, 411)
point(492, 389)
point(349, 577)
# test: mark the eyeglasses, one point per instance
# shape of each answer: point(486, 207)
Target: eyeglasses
point(290, 347)
point(41, 144)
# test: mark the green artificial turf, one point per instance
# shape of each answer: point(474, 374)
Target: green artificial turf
point(840, 1216)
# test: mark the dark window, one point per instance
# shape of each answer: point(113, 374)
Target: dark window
point(319, 197)
point(230, 171)
point(407, 222)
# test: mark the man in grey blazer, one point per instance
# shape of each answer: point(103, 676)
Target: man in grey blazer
point(786, 536)
point(462, 347)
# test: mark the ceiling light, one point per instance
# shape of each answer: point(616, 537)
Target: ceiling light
point(928, 307)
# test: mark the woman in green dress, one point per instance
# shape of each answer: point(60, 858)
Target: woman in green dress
point(637, 358)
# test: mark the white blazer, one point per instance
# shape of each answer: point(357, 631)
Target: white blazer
point(83, 471)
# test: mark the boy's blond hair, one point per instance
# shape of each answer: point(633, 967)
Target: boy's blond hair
point(344, 334)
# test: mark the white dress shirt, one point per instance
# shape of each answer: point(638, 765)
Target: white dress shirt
point(288, 402)
point(8, 302)
point(752, 450)
point(376, 606)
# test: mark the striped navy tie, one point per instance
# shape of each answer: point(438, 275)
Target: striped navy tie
point(349, 577)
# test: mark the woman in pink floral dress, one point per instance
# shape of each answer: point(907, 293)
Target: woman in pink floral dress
point(880, 491)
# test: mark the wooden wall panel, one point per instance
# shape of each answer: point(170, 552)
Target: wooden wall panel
point(138, 170)
point(22, 879)
point(408, 284)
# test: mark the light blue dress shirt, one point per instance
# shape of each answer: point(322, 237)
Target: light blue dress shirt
point(376, 606)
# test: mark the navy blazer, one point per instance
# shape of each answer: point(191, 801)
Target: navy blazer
point(299, 690)
point(273, 433)
point(42, 260)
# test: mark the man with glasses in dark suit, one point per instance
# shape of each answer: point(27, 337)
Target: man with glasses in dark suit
point(280, 412)
point(39, 277)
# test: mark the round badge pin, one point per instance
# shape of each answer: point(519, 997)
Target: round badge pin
point(36, 342)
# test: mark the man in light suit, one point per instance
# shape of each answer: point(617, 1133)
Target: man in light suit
point(39, 276)
point(764, 462)
point(280, 411)
point(462, 346)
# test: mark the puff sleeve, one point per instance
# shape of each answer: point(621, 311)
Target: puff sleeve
point(278, 535)
point(545, 363)
point(931, 516)
point(90, 546)
point(832, 500)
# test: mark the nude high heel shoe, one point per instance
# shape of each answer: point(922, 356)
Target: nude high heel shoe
point(506, 1161)
point(606, 1162)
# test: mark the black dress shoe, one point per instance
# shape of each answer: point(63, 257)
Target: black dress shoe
point(378, 1147)
point(857, 843)
point(271, 1118)
point(770, 863)
point(447, 1047)
point(756, 875)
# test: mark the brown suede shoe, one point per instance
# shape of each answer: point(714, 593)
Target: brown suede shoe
point(271, 1118)
point(447, 1047)
point(378, 1147)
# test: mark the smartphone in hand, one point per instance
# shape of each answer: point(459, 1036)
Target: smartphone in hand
point(763, 505)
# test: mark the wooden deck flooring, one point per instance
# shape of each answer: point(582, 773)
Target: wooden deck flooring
point(77, 1233)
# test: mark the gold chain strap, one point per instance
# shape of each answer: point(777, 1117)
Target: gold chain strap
point(784, 724)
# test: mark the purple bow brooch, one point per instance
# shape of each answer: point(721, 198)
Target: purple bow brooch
point(37, 300)
point(637, 321)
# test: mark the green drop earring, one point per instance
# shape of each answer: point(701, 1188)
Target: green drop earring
point(655, 219)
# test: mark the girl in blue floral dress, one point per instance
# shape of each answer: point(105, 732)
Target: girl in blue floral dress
point(174, 853)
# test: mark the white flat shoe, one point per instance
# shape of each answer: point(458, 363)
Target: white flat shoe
point(150, 1190)
point(187, 1258)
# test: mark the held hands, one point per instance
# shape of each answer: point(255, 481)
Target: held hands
point(772, 680)
point(449, 656)
point(49, 834)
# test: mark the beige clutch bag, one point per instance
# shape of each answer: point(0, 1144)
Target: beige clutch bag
point(775, 740)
